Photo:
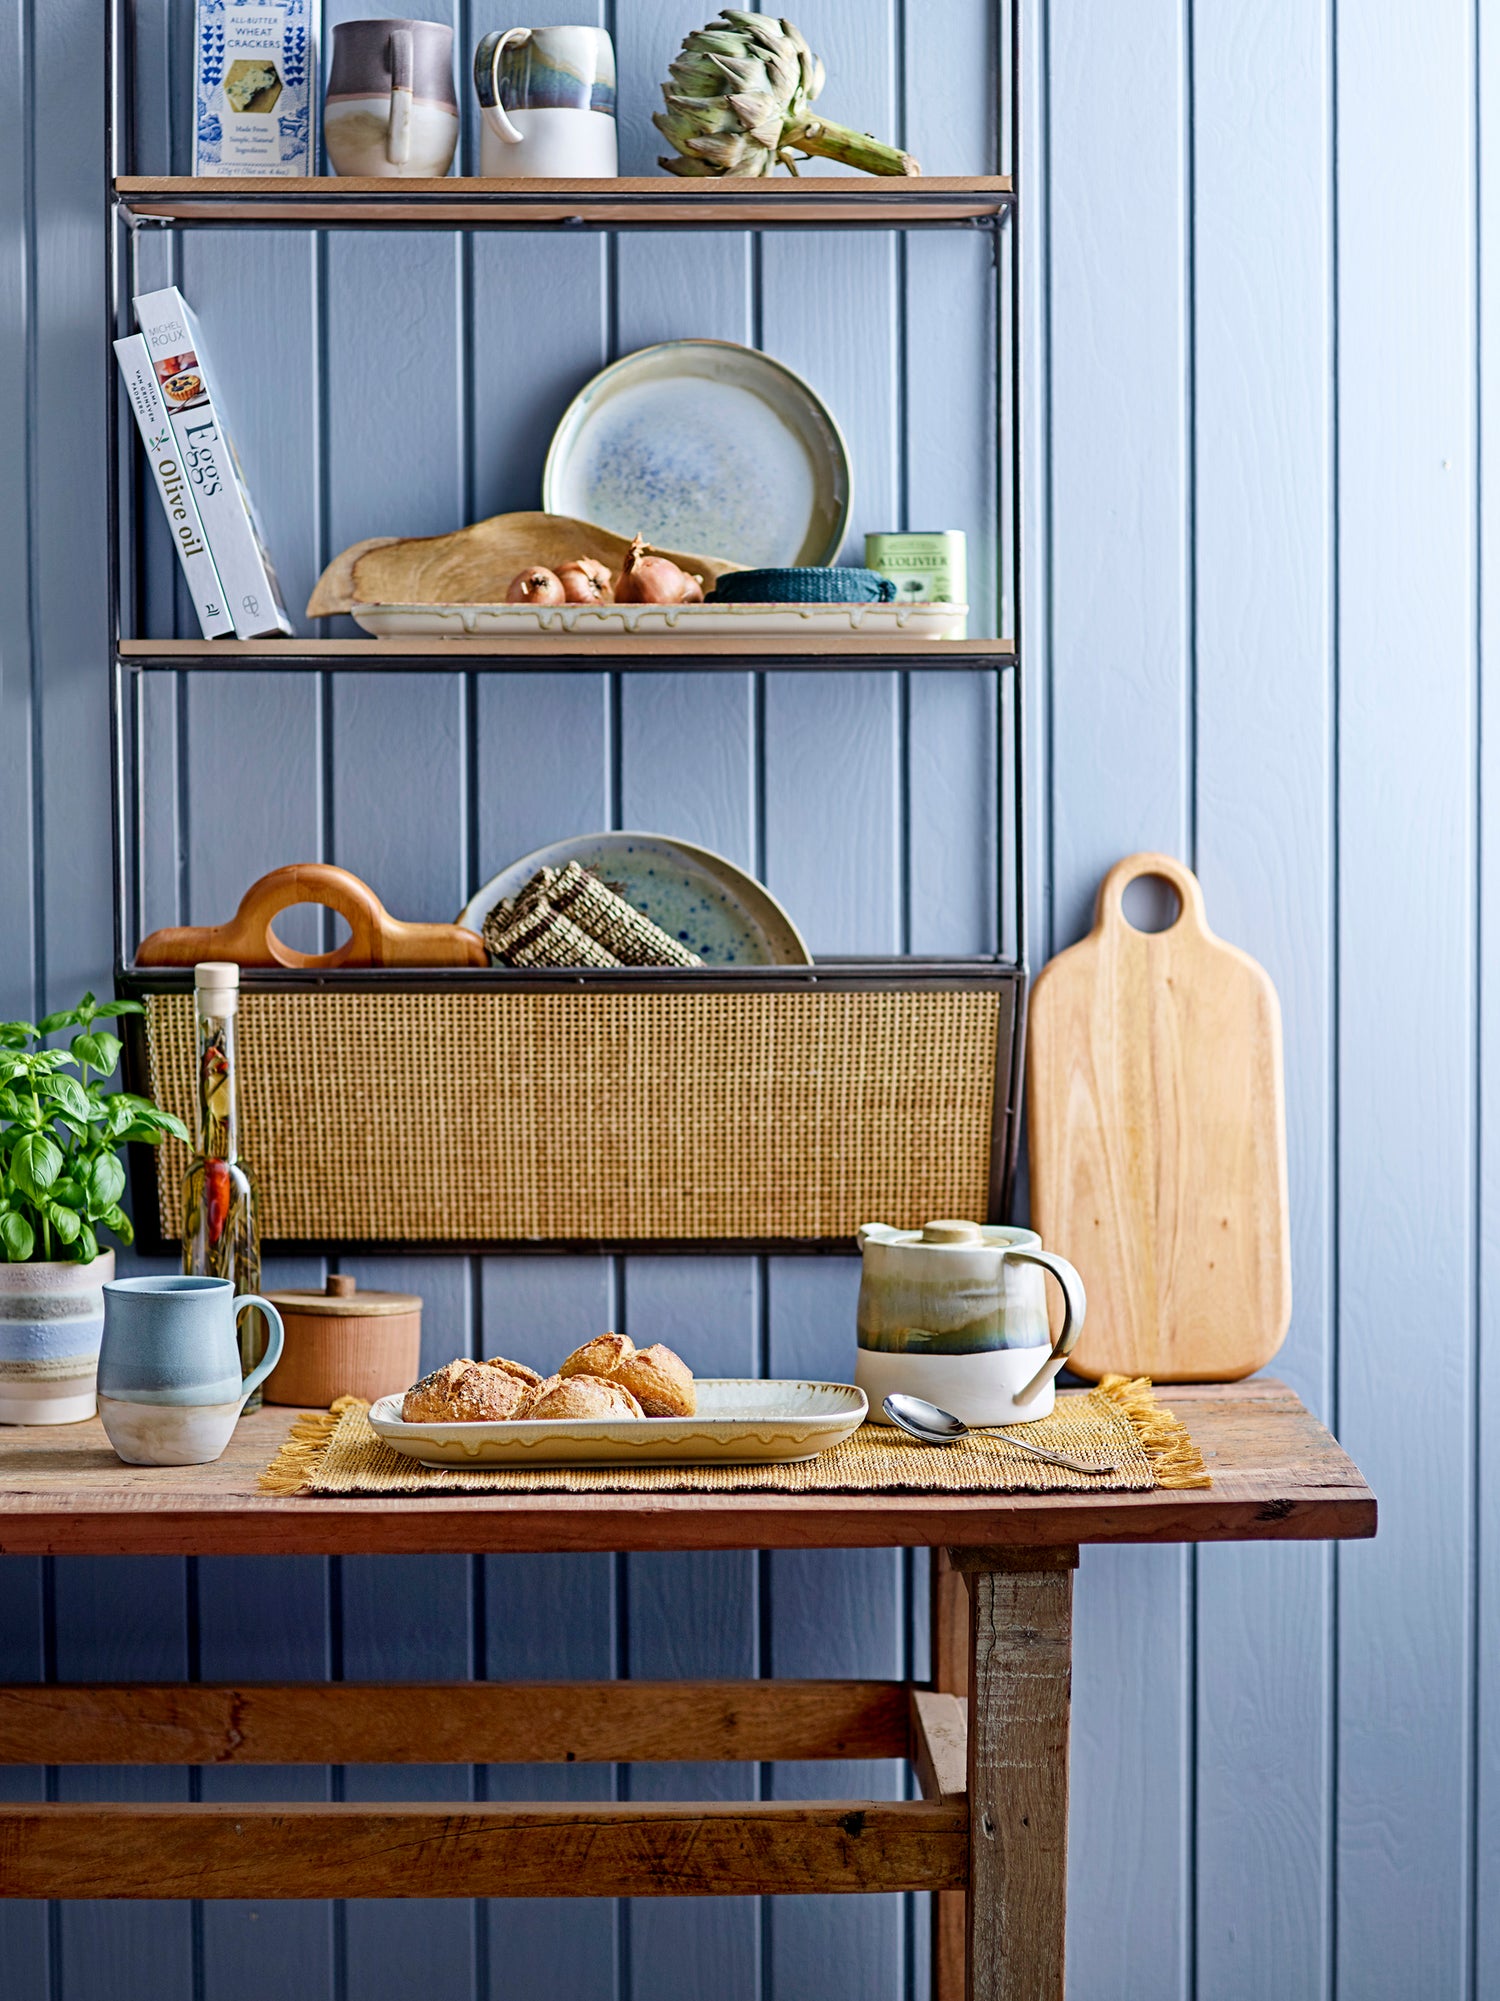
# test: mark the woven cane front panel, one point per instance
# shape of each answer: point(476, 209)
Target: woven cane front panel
point(472, 1117)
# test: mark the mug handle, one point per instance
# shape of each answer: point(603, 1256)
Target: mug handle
point(272, 1355)
point(486, 82)
point(400, 54)
point(1075, 1305)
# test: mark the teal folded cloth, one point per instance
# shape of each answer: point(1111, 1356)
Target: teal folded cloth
point(803, 586)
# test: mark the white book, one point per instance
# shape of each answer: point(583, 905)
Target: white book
point(157, 436)
point(191, 392)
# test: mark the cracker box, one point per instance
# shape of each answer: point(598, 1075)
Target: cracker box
point(256, 67)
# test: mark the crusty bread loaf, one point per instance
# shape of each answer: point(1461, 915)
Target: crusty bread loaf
point(660, 1381)
point(600, 1357)
point(582, 1397)
point(468, 1392)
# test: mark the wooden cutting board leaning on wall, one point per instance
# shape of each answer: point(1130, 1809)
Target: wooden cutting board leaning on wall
point(1157, 1125)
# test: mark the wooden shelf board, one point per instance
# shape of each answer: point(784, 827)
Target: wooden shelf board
point(649, 201)
point(653, 652)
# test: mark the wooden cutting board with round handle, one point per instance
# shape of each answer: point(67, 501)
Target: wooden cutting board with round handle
point(1158, 1140)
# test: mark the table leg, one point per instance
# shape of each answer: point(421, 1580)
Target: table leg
point(1020, 1671)
point(950, 1674)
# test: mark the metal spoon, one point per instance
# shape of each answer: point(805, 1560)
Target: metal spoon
point(934, 1426)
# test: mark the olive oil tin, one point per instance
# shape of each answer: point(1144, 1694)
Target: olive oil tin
point(927, 567)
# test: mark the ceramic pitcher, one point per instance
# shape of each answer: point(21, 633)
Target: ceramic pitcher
point(391, 110)
point(170, 1390)
point(957, 1312)
point(548, 99)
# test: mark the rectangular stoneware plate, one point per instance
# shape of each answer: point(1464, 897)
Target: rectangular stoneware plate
point(740, 1422)
point(579, 621)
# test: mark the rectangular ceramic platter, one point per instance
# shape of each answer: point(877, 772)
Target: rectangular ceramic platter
point(581, 621)
point(740, 1422)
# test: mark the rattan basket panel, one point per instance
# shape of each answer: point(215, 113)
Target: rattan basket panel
point(470, 1117)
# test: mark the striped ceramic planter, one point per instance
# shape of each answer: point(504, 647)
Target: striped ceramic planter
point(51, 1318)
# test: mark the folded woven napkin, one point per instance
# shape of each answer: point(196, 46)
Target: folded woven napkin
point(568, 917)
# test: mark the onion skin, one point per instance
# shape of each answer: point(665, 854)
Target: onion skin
point(586, 581)
point(535, 586)
point(647, 579)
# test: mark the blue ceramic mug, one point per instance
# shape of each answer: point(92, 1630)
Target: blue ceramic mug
point(170, 1390)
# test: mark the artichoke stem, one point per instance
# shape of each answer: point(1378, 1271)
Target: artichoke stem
point(856, 149)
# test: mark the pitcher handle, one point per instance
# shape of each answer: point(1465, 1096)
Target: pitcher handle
point(487, 83)
point(401, 55)
point(1075, 1306)
point(272, 1355)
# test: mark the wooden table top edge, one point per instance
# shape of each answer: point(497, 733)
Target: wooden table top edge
point(104, 1509)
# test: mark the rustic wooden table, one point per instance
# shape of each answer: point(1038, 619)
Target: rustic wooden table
point(991, 1824)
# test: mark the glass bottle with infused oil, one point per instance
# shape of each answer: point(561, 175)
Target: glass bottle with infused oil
point(220, 1227)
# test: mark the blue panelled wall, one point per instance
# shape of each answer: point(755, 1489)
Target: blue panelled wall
point(1257, 583)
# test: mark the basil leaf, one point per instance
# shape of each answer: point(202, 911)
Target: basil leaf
point(99, 1049)
point(35, 1164)
point(105, 1184)
point(66, 1222)
point(17, 1237)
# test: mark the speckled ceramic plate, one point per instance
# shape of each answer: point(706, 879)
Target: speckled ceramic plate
point(701, 444)
point(740, 1422)
point(719, 912)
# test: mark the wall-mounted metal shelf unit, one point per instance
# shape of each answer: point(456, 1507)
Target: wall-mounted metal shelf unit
point(915, 1013)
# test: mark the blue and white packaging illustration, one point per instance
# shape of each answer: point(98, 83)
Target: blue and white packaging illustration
point(256, 69)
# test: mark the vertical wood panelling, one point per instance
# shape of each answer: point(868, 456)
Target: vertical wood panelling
point(545, 1618)
point(1261, 123)
point(1245, 1821)
point(24, 1945)
point(1487, 1635)
point(123, 1619)
point(266, 1619)
point(1406, 679)
point(1117, 199)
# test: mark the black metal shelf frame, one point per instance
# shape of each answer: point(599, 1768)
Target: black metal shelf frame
point(126, 492)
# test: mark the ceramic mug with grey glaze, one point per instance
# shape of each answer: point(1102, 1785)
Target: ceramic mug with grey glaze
point(548, 100)
point(391, 109)
point(170, 1390)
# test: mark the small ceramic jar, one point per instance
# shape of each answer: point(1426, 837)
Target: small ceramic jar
point(957, 1313)
point(51, 1318)
point(345, 1343)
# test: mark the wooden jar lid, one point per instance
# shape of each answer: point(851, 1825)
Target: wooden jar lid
point(341, 1298)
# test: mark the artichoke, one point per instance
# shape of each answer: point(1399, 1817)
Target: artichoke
point(739, 101)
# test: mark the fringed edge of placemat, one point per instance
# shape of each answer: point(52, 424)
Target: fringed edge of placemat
point(296, 1464)
point(1164, 1438)
point(1174, 1459)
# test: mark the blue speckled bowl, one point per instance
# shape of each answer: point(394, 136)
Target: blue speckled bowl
point(703, 444)
point(717, 911)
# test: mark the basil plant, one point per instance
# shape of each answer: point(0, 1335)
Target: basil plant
point(61, 1176)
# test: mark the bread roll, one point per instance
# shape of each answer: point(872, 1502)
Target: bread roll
point(517, 1369)
point(600, 1357)
point(468, 1392)
point(660, 1380)
point(583, 1397)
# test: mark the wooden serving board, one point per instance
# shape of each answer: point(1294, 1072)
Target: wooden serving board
point(1158, 1140)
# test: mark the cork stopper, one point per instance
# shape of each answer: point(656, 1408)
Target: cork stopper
point(218, 985)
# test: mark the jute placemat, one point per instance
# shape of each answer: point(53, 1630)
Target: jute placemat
point(336, 1452)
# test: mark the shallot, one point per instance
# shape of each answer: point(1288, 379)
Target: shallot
point(586, 581)
point(648, 579)
point(535, 586)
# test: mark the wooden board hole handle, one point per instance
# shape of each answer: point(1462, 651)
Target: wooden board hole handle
point(1111, 904)
point(312, 882)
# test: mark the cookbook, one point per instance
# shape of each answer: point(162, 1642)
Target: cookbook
point(155, 427)
point(191, 392)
